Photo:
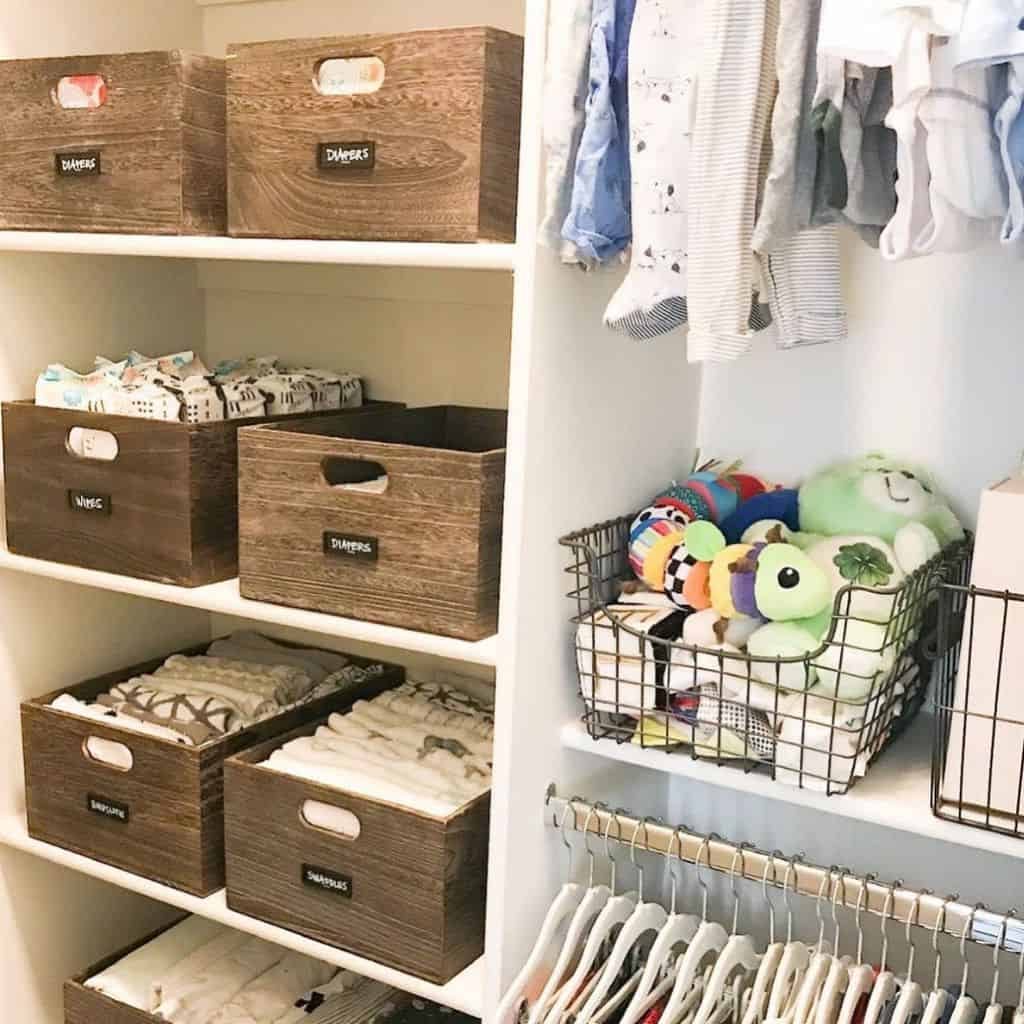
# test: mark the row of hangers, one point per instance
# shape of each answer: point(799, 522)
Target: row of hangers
point(609, 957)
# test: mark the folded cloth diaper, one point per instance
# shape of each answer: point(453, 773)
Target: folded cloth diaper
point(343, 1001)
point(198, 715)
point(109, 716)
point(273, 994)
point(166, 984)
point(280, 683)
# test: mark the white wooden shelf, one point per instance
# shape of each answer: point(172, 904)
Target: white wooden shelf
point(895, 793)
point(224, 598)
point(464, 992)
point(439, 255)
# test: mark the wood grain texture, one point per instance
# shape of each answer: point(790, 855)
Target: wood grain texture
point(161, 136)
point(418, 883)
point(173, 490)
point(442, 173)
point(438, 524)
point(175, 793)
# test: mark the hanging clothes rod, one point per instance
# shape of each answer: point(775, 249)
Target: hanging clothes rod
point(895, 902)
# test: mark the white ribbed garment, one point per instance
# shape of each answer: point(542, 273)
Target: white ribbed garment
point(735, 91)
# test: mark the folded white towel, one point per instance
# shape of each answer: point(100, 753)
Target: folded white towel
point(274, 992)
point(129, 981)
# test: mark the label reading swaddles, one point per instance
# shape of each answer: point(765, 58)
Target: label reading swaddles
point(113, 810)
point(95, 504)
point(347, 156)
point(83, 164)
point(347, 545)
point(329, 881)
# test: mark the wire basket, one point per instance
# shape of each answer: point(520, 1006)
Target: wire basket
point(978, 753)
point(815, 720)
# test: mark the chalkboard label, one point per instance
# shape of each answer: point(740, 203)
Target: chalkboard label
point(347, 545)
point(82, 164)
point(114, 810)
point(329, 881)
point(96, 504)
point(347, 156)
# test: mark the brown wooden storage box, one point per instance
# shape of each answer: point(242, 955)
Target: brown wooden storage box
point(165, 509)
point(172, 826)
point(432, 156)
point(416, 885)
point(151, 159)
point(424, 554)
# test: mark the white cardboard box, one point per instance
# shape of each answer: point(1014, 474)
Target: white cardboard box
point(985, 758)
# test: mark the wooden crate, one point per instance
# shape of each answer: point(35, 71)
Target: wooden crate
point(163, 818)
point(433, 155)
point(409, 892)
point(84, 1005)
point(423, 554)
point(150, 160)
point(165, 509)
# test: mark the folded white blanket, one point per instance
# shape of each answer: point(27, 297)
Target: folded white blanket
point(109, 716)
point(273, 993)
point(129, 981)
point(283, 684)
point(259, 650)
point(164, 985)
point(198, 997)
point(401, 701)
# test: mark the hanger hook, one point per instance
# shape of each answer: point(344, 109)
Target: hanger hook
point(676, 837)
point(769, 863)
point(826, 883)
point(570, 806)
point(968, 927)
point(887, 909)
point(705, 849)
point(840, 883)
point(940, 925)
point(738, 855)
point(790, 870)
point(613, 816)
point(995, 954)
point(913, 916)
point(862, 895)
point(641, 824)
point(592, 809)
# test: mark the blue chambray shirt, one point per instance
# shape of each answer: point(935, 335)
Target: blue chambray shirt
point(598, 224)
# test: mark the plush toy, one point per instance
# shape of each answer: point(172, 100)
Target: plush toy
point(880, 497)
point(864, 564)
point(782, 505)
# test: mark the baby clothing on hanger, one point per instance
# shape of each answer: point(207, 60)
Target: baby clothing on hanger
point(598, 223)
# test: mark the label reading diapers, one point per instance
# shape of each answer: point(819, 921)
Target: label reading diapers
point(347, 156)
point(347, 545)
point(78, 165)
point(329, 881)
point(113, 810)
point(94, 504)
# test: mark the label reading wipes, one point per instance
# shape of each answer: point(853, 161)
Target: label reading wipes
point(347, 156)
point(78, 165)
point(330, 881)
point(107, 808)
point(95, 504)
point(347, 545)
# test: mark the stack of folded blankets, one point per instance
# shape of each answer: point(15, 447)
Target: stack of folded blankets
point(181, 389)
point(200, 972)
point(240, 680)
point(423, 746)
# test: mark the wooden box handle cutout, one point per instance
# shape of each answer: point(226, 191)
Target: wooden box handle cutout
point(348, 76)
point(85, 443)
point(109, 753)
point(328, 818)
point(360, 475)
point(80, 92)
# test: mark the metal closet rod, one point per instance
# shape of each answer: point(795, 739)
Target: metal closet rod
point(895, 902)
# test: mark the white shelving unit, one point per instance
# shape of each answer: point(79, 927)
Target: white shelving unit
point(597, 424)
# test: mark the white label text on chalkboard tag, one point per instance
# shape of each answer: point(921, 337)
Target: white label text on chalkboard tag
point(329, 881)
point(78, 165)
point(347, 545)
point(107, 808)
point(347, 156)
point(97, 504)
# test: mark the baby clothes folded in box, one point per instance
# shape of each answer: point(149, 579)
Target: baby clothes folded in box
point(241, 680)
point(181, 389)
point(421, 746)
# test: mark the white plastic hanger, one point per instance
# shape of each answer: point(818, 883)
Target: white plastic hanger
point(615, 913)
point(838, 978)
point(678, 928)
point(645, 918)
point(938, 998)
point(994, 1011)
point(795, 958)
point(757, 1000)
point(885, 984)
point(738, 953)
point(594, 899)
point(544, 951)
point(710, 938)
point(862, 975)
point(911, 1000)
point(966, 1009)
point(811, 987)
